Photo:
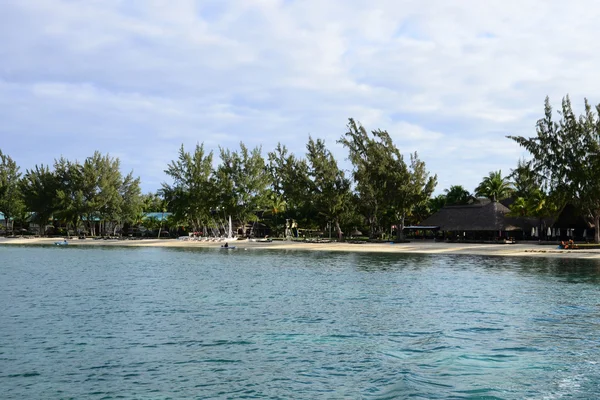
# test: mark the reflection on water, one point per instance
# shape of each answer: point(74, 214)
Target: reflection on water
point(201, 323)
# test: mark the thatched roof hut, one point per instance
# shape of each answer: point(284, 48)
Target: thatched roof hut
point(571, 218)
point(474, 217)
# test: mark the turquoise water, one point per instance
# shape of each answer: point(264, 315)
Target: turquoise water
point(163, 323)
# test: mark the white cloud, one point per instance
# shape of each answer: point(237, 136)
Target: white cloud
point(138, 78)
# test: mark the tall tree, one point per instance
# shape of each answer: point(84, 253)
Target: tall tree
point(368, 156)
point(386, 184)
point(329, 188)
point(11, 204)
point(494, 187)
point(38, 188)
point(411, 192)
point(131, 203)
point(101, 180)
point(566, 154)
point(289, 181)
point(70, 204)
point(191, 195)
point(243, 182)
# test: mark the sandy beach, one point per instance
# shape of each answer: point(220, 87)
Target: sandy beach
point(415, 247)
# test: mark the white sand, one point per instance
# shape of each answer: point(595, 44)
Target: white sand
point(416, 247)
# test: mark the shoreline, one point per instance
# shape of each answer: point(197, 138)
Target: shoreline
point(415, 247)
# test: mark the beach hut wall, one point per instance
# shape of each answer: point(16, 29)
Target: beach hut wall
point(490, 217)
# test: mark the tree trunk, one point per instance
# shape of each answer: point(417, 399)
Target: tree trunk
point(400, 229)
point(12, 227)
point(597, 228)
point(338, 230)
point(372, 230)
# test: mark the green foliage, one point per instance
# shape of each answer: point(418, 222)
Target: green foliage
point(311, 191)
point(328, 187)
point(153, 202)
point(11, 204)
point(388, 187)
point(38, 188)
point(192, 195)
point(436, 203)
point(524, 180)
point(131, 202)
point(242, 183)
point(494, 187)
point(107, 196)
point(70, 200)
point(566, 155)
point(289, 180)
point(457, 195)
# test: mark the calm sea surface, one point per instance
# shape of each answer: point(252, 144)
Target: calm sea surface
point(208, 323)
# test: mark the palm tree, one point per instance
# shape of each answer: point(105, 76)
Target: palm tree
point(494, 187)
point(436, 203)
point(534, 205)
point(520, 208)
point(457, 195)
point(276, 205)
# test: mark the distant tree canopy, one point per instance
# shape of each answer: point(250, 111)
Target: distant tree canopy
point(383, 190)
point(84, 195)
point(566, 157)
point(389, 188)
point(11, 202)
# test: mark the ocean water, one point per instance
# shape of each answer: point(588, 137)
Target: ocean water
point(152, 323)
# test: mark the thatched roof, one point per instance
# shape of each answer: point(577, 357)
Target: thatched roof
point(571, 218)
point(474, 217)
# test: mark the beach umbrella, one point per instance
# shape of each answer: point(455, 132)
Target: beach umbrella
point(549, 233)
point(532, 232)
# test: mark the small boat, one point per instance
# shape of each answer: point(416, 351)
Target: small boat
point(227, 247)
point(63, 243)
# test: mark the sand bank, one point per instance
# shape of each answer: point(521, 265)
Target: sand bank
point(415, 247)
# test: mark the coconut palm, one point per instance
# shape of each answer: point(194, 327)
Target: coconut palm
point(494, 187)
point(278, 205)
point(457, 195)
point(520, 208)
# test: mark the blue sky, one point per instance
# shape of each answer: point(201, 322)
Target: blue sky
point(136, 79)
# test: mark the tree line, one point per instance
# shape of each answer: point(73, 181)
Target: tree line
point(383, 189)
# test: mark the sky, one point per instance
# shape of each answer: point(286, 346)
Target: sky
point(139, 78)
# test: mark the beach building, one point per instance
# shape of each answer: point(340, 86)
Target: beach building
point(482, 221)
point(572, 224)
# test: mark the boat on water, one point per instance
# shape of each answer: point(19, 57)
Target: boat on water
point(63, 243)
point(224, 247)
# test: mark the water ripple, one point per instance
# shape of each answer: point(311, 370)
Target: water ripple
point(179, 324)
